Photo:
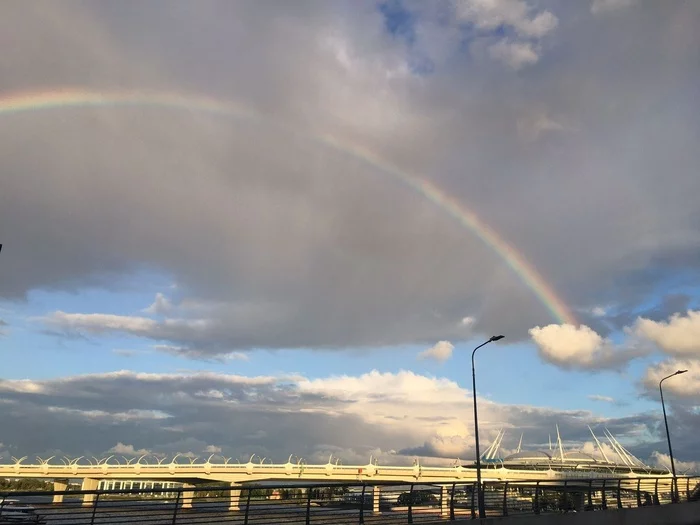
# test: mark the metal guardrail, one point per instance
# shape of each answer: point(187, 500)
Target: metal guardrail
point(341, 503)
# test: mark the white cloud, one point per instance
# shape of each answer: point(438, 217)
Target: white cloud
point(606, 6)
point(491, 14)
point(515, 54)
point(663, 460)
point(123, 352)
point(581, 347)
point(161, 305)
point(686, 385)
point(211, 449)
point(128, 450)
point(533, 125)
point(605, 399)
point(405, 386)
point(24, 385)
point(400, 402)
point(467, 321)
point(589, 447)
point(202, 355)
point(128, 415)
point(450, 446)
point(101, 323)
point(599, 311)
point(679, 336)
point(440, 351)
point(236, 356)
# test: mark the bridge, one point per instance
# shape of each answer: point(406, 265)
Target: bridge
point(629, 500)
point(94, 468)
point(191, 474)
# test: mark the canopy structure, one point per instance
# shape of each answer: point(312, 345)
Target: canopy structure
point(611, 457)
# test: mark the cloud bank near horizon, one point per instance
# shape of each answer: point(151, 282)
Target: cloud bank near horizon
point(393, 417)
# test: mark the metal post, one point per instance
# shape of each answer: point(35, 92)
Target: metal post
point(605, 500)
point(505, 499)
point(619, 496)
point(410, 505)
point(639, 493)
point(590, 494)
point(479, 493)
point(94, 509)
point(247, 507)
point(473, 513)
point(452, 503)
point(674, 485)
point(656, 492)
point(670, 449)
point(537, 498)
point(177, 504)
point(362, 505)
point(308, 504)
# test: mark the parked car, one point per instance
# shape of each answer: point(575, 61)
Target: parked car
point(13, 511)
point(417, 498)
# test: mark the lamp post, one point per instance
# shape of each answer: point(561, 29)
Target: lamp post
point(479, 492)
point(674, 487)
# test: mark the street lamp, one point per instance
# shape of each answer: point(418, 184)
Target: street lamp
point(479, 492)
point(674, 487)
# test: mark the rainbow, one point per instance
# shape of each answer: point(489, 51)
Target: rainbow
point(81, 98)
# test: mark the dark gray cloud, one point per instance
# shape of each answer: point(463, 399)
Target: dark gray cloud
point(194, 414)
point(586, 167)
point(168, 414)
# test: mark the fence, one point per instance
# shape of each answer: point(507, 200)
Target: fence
point(337, 503)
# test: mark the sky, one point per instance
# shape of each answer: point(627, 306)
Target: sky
point(281, 227)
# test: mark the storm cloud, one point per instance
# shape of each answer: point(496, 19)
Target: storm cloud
point(286, 242)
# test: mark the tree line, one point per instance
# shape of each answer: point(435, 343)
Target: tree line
point(25, 484)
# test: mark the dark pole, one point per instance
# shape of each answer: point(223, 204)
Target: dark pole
point(674, 495)
point(479, 492)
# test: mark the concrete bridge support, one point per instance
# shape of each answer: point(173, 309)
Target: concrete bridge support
point(187, 496)
point(444, 501)
point(376, 499)
point(89, 484)
point(59, 485)
point(235, 497)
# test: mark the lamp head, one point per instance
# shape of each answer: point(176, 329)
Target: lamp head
point(496, 338)
point(680, 372)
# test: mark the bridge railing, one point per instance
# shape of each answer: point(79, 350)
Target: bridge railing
point(355, 503)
